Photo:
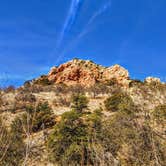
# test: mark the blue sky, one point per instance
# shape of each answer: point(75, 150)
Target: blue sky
point(38, 34)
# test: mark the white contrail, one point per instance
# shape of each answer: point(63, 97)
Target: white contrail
point(70, 20)
point(95, 15)
point(103, 9)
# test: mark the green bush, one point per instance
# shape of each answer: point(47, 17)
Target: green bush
point(37, 118)
point(119, 102)
point(95, 122)
point(66, 143)
point(159, 115)
point(43, 117)
point(43, 80)
point(12, 147)
point(79, 102)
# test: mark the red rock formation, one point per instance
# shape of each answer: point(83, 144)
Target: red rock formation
point(87, 73)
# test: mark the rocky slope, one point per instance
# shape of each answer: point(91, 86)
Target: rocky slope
point(86, 73)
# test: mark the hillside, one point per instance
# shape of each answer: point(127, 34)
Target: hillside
point(82, 113)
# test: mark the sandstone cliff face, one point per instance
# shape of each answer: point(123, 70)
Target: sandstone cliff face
point(87, 73)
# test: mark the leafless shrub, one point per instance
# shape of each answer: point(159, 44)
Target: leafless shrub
point(25, 97)
point(76, 89)
point(61, 101)
point(99, 88)
point(60, 89)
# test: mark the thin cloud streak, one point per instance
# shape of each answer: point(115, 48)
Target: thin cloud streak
point(87, 28)
point(103, 9)
point(70, 20)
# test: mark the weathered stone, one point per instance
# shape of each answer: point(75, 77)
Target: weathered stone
point(152, 79)
point(87, 73)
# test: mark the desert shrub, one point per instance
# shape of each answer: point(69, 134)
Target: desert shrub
point(22, 100)
point(147, 148)
point(135, 83)
point(18, 127)
point(130, 143)
point(95, 120)
point(12, 147)
point(119, 102)
point(4, 141)
point(61, 101)
point(23, 124)
point(112, 82)
point(117, 130)
point(32, 88)
point(43, 80)
point(61, 89)
point(44, 117)
point(13, 110)
point(98, 88)
point(76, 89)
point(36, 118)
point(79, 102)
point(159, 115)
point(25, 97)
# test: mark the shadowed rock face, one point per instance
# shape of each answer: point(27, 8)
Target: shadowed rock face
point(87, 73)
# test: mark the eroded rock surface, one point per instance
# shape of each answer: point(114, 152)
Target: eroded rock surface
point(87, 73)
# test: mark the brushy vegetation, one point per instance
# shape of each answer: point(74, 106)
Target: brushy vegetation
point(159, 114)
point(79, 102)
point(120, 133)
point(119, 101)
point(12, 147)
point(35, 119)
point(90, 139)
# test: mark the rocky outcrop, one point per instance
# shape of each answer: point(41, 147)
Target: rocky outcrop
point(87, 73)
point(152, 80)
point(117, 72)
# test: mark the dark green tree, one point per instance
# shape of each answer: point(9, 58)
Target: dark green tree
point(67, 143)
point(37, 118)
point(43, 117)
